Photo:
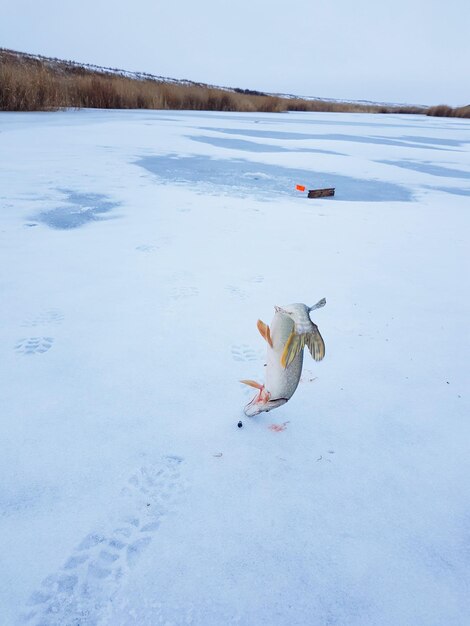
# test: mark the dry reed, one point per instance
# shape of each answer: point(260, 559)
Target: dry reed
point(33, 83)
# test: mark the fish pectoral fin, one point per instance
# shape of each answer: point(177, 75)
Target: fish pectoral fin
point(264, 332)
point(315, 344)
point(253, 383)
point(294, 345)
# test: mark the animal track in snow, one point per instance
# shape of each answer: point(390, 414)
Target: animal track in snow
point(153, 247)
point(179, 293)
point(146, 248)
point(256, 279)
point(245, 353)
point(308, 377)
point(46, 318)
point(236, 292)
point(86, 584)
point(34, 345)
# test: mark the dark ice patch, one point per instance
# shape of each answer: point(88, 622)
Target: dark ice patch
point(237, 144)
point(81, 208)
point(251, 146)
point(263, 134)
point(427, 167)
point(433, 140)
point(286, 135)
point(456, 191)
point(240, 177)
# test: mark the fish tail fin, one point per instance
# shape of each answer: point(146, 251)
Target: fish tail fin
point(318, 305)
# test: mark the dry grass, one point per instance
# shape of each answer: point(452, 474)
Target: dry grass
point(29, 83)
point(442, 110)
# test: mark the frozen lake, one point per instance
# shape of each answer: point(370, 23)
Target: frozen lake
point(137, 251)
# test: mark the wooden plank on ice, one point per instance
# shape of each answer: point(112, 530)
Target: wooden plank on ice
point(321, 193)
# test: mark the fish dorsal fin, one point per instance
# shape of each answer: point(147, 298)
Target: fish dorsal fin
point(253, 383)
point(264, 332)
point(315, 344)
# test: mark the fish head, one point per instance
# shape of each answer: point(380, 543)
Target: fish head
point(262, 404)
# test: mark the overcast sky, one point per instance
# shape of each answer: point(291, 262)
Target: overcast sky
point(411, 51)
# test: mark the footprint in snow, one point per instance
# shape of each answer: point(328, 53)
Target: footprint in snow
point(33, 345)
point(179, 293)
point(255, 279)
point(51, 317)
point(236, 292)
point(243, 352)
point(83, 588)
point(146, 248)
point(159, 243)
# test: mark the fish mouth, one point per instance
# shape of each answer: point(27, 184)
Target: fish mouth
point(255, 408)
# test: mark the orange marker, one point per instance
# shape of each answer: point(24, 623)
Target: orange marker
point(300, 188)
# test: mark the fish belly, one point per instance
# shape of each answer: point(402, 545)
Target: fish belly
point(280, 382)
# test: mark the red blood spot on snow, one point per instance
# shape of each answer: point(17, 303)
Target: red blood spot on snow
point(277, 428)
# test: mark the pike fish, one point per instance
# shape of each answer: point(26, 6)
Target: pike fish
point(291, 330)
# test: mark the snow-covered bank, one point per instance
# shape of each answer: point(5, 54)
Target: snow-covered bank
point(137, 251)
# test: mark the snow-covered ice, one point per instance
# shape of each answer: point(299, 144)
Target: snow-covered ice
point(137, 251)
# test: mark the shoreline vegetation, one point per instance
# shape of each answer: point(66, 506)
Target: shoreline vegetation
point(37, 83)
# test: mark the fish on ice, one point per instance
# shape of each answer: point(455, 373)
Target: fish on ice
point(291, 330)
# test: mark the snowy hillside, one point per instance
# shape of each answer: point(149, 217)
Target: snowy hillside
point(137, 251)
point(71, 66)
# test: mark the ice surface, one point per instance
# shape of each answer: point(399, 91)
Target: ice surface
point(251, 146)
point(81, 209)
point(437, 141)
point(427, 167)
point(455, 190)
point(284, 135)
point(136, 254)
point(242, 177)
